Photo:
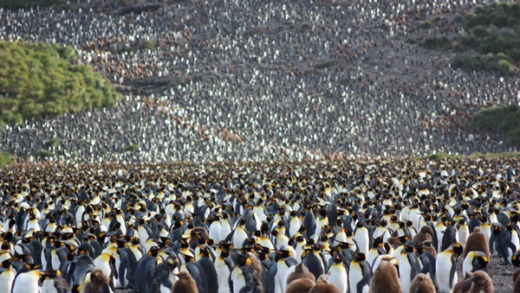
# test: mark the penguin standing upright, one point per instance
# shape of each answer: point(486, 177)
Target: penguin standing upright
point(106, 263)
point(209, 270)
point(422, 284)
point(362, 238)
point(314, 262)
point(409, 266)
point(185, 284)
point(224, 267)
point(27, 282)
point(462, 232)
point(359, 274)
point(54, 283)
point(386, 278)
point(446, 268)
point(338, 275)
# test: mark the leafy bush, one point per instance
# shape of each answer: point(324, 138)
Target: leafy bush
point(38, 80)
point(493, 31)
point(502, 120)
point(129, 148)
point(5, 159)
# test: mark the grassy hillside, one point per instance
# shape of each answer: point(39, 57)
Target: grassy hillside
point(504, 120)
point(39, 80)
point(488, 38)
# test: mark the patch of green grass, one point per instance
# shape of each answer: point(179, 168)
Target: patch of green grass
point(437, 43)
point(43, 154)
point(425, 24)
point(490, 39)
point(41, 80)
point(501, 120)
point(51, 143)
point(129, 148)
point(442, 156)
point(5, 159)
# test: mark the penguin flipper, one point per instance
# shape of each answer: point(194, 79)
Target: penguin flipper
point(452, 271)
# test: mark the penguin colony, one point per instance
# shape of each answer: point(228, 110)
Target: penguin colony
point(226, 79)
point(345, 226)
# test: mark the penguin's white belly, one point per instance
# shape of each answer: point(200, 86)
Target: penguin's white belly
point(48, 287)
point(443, 271)
point(405, 271)
point(338, 278)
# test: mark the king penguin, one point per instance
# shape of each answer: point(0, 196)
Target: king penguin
point(360, 274)
point(474, 261)
point(446, 268)
point(54, 283)
point(362, 238)
point(27, 282)
point(409, 266)
point(338, 275)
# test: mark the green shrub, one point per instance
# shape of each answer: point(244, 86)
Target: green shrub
point(51, 143)
point(503, 120)
point(43, 154)
point(493, 31)
point(5, 159)
point(129, 148)
point(38, 80)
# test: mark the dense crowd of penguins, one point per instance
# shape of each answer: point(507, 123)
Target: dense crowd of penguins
point(346, 226)
point(219, 80)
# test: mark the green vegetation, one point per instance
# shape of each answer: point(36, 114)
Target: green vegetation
point(43, 154)
point(129, 148)
point(25, 4)
point(5, 159)
point(40, 80)
point(490, 39)
point(504, 155)
point(504, 121)
point(51, 143)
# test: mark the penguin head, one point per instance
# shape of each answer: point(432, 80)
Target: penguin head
point(480, 260)
point(337, 259)
point(409, 247)
point(515, 259)
point(359, 257)
point(457, 249)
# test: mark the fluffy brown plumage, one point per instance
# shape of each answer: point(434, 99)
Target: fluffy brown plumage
point(385, 279)
point(300, 272)
point(516, 281)
point(94, 282)
point(425, 234)
point(476, 242)
point(477, 282)
point(185, 284)
point(422, 284)
point(300, 286)
point(323, 286)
